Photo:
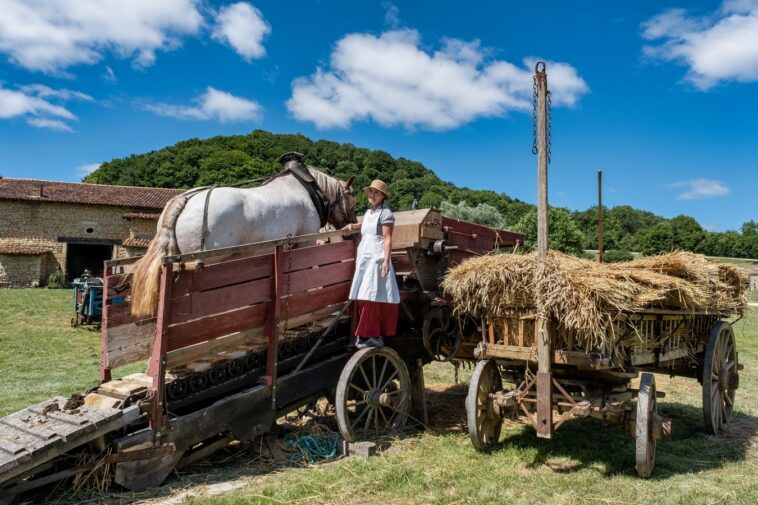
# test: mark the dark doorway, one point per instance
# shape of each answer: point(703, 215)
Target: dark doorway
point(86, 256)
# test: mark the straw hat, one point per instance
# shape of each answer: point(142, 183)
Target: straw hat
point(378, 185)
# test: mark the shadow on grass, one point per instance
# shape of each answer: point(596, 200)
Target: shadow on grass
point(587, 443)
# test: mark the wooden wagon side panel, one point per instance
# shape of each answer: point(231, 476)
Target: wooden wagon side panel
point(124, 339)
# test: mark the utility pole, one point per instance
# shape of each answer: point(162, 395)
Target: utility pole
point(544, 351)
point(600, 216)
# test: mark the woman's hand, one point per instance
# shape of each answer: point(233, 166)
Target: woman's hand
point(385, 268)
point(348, 228)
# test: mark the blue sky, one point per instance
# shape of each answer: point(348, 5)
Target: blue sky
point(662, 97)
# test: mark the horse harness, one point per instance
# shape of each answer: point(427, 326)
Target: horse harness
point(301, 173)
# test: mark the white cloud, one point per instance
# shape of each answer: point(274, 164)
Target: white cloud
point(391, 14)
point(40, 105)
point(51, 124)
point(390, 79)
point(242, 26)
point(86, 169)
point(43, 91)
point(52, 35)
point(213, 105)
point(722, 46)
point(109, 75)
point(701, 188)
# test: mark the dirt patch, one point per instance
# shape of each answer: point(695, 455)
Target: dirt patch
point(74, 402)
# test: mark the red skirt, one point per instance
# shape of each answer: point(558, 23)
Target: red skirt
point(376, 319)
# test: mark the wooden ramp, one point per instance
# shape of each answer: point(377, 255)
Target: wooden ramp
point(35, 435)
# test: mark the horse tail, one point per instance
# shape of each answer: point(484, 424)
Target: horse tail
point(146, 273)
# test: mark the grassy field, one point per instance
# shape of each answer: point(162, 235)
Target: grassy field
point(585, 463)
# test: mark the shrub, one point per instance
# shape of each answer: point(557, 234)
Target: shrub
point(55, 280)
point(615, 255)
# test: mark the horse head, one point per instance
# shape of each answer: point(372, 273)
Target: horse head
point(342, 209)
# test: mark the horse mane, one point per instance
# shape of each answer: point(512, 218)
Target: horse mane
point(329, 185)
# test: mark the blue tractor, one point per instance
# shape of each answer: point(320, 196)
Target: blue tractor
point(88, 301)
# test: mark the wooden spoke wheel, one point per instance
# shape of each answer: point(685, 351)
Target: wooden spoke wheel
point(644, 439)
point(441, 333)
point(720, 378)
point(373, 394)
point(484, 421)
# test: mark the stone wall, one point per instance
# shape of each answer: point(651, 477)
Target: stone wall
point(41, 224)
point(17, 271)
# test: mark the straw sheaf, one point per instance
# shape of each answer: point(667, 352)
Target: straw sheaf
point(588, 297)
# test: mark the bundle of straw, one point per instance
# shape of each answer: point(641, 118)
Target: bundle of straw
point(588, 297)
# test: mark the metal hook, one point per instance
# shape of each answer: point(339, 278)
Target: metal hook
point(537, 67)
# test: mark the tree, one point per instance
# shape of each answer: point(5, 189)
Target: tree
point(686, 233)
point(658, 239)
point(563, 234)
point(482, 213)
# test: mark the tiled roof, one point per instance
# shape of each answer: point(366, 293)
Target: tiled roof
point(141, 215)
point(93, 194)
point(136, 242)
point(23, 250)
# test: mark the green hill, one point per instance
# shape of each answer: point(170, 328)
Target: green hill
point(235, 158)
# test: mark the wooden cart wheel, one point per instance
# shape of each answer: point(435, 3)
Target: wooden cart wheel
point(720, 377)
point(373, 394)
point(644, 440)
point(441, 333)
point(484, 422)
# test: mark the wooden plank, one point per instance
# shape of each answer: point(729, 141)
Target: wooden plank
point(129, 343)
point(187, 354)
point(198, 330)
point(308, 257)
point(250, 249)
point(326, 275)
point(10, 447)
point(221, 274)
point(38, 431)
point(223, 299)
point(119, 314)
point(312, 300)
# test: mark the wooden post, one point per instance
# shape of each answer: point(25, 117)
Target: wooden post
point(272, 326)
point(105, 371)
point(600, 216)
point(157, 366)
point(544, 376)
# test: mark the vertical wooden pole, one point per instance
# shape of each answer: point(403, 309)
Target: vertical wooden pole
point(600, 216)
point(105, 371)
point(544, 352)
point(272, 325)
point(157, 366)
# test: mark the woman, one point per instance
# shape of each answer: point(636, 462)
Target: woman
point(374, 285)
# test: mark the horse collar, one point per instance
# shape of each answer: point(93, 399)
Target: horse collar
point(320, 201)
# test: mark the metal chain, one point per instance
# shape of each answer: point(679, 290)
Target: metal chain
point(534, 119)
point(534, 114)
point(289, 286)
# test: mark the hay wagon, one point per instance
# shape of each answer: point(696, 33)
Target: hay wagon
point(242, 336)
point(599, 373)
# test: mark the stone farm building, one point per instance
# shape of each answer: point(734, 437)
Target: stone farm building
point(46, 225)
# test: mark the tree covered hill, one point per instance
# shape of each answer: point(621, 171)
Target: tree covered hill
point(236, 158)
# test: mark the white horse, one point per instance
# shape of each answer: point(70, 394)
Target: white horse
point(226, 216)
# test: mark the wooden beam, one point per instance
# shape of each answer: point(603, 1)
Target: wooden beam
point(544, 420)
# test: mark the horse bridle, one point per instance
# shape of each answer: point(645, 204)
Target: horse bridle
point(350, 214)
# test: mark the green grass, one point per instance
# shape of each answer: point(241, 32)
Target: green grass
point(42, 355)
point(584, 463)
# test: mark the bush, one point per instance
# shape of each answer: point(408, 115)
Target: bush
point(615, 255)
point(55, 281)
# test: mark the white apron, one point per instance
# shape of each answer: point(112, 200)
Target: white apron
point(368, 282)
